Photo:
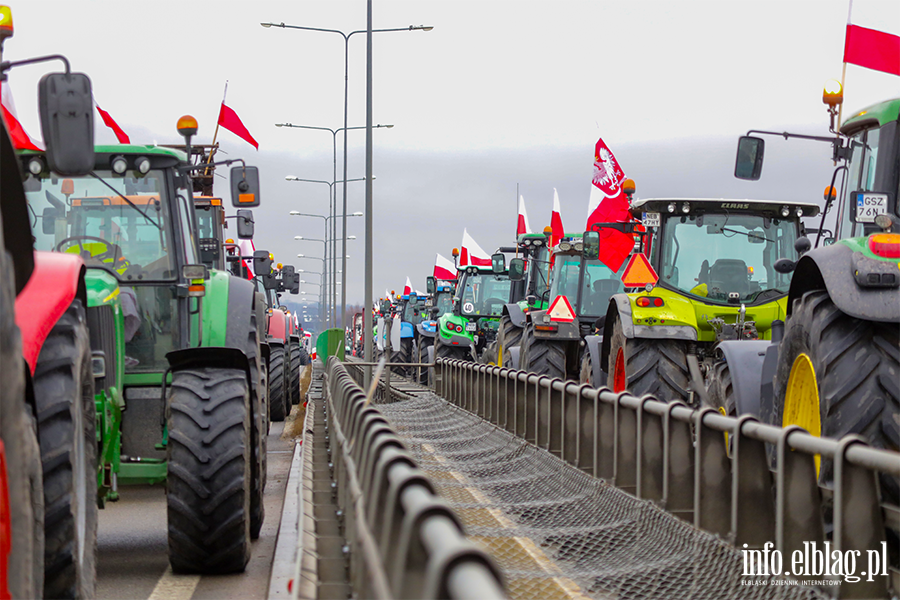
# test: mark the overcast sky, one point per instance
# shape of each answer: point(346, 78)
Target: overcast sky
point(498, 94)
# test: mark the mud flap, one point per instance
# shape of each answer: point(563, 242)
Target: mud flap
point(745, 360)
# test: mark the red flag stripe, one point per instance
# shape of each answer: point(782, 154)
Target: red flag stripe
point(111, 123)
point(442, 273)
point(872, 49)
point(230, 121)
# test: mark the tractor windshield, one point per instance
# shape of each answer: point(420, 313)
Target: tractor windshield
point(121, 224)
point(589, 295)
point(539, 267)
point(444, 303)
point(861, 176)
point(485, 294)
point(714, 255)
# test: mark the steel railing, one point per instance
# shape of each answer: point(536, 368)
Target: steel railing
point(678, 457)
point(404, 540)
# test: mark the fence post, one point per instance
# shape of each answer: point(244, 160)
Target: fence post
point(712, 472)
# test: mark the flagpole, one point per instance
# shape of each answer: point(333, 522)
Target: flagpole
point(216, 133)
point(844, 68)
point(517, 219)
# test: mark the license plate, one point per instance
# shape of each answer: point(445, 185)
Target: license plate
point(869, 206)
point(650, 219)
point(471, 326)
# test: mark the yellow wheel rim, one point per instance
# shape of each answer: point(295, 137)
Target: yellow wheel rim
point(801, 402)
point(499, 353)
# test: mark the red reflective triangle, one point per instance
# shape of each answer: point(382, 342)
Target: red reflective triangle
point(639, 273)
point(561, 310)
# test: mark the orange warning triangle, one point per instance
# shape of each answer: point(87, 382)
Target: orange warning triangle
point(561, 310)
point(639, 273)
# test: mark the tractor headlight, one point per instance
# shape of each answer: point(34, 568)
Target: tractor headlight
point(686, 208)
point(785, 211)
point(142, 164)
point(119, 164)
point(671, 207)
point(798, 212)
point(35, 166)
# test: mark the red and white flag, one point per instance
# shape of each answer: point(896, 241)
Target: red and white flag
point(444, 268)
point(556, 225)
point(111, 123)
point(471, 253)
point(608, 204)
point(247, 248)
point(522, 225)
point(407, 289)
point(20, 138)
point(872, 49)
point(230, 121)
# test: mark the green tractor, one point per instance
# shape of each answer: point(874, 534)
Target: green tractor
point(837, 368)
point(580, 287)
point(174, 346)
point(481, 293)
point(719, 279)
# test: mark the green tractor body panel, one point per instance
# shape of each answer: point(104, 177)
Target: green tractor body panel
point(215, 309)
point(458, 336)
point(878, 114)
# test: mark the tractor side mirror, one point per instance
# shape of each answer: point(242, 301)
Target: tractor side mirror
point(498, 262)
point(262, 264)
point(67, 122)
point(517, 269)
point(434, 312)
point(386, 308)
point(244, 187)
point(430, 285)
point(749, 161)
point(48, 220)
point(245, 224)
point(590, 247)
point(295, 285)
point(287, 277)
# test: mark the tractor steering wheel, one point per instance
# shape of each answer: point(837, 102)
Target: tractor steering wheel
point(113, 252)
point(491, 302)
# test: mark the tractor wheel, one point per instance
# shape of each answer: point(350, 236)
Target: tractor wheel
point(489, 356)
point(720, 389)
point(546, 357)
point(648, 366)
point(304, 357)
point(66, 424)
point(295, 373)
point(422, 356)
point(403, 355)
point(586, 374)
point(208, 489)
point(838, 375)
point(442, 350)
point(259, 430)
point(508, 336)
point(277, 389)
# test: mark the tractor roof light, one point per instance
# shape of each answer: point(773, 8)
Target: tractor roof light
point(833, 93)
point(142, 164)
point(671, 207)
point(526, 242)
point(785, 211)
point(538, 242)
point(564, 246)
point(35, 166)
point(830, 193)
point(119, 164)
point(548, 231)
point(628, 187)
point(6, 22)
point(187, 126)
point(579, 246)
point(455, 252)
point(798, 211)
point(686, 207)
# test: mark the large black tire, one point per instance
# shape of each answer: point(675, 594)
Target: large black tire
point(295, 373)
point(403, 355)
point(422, 357)
point(259, 430)
point(857, 371)
point(586, 373)
point(304, 357)
point(652, 366)
point(508, 336)
point(442, 350)
point(277, 388)
point(489, 356)
point(208, 489)
point(720, 388)
point(546, 357)
point(66, 422)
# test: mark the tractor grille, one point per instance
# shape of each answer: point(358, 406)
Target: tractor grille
point(102, 326)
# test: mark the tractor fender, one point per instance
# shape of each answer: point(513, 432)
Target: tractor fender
point(516, 314)
point(423, 332)
point(598, 372)
point(745, 360)
point(208, 356)
point(241, 294)
point(513, 357)
point(831, 268)
point(277, 326)
point(57, 280)
point(406, 330)
point(619, 307)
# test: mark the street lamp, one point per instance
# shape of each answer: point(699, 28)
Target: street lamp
point(347, 37)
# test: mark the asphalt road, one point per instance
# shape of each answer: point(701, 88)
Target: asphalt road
point(132, 560)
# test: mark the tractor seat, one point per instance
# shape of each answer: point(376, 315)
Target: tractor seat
point(729, 275)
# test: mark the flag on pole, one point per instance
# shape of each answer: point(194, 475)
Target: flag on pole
point(230, 121)
point(872, 49)
point(522, 225)
point(247, 248)
point(608, 204)
point(444, 268)
point(20, 138)
point(111, 123)
point(408, 287)
point(556, 224)
point(471, 253)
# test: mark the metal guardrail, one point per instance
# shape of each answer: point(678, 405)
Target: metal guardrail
point(678, 457)
point(404, 540)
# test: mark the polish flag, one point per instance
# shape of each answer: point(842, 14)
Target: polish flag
point(247, 248)
point(20, 138)
point(471, 253)
point(230, 121)
point(522, 226)
point(608, 204)
point(387, 294)
point(408, 287)
point(872, 49)
point(556, 225)
point(444, 268)
point(110, 122)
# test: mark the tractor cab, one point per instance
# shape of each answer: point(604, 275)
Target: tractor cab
point(210, 231)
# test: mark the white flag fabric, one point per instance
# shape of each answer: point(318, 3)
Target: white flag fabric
point(522, 225)
point(471, 253)
point(444, 268)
